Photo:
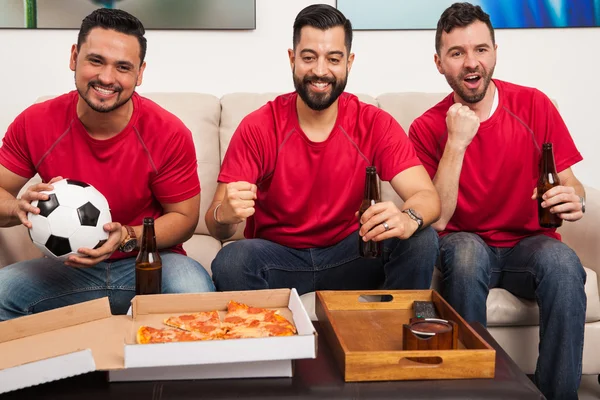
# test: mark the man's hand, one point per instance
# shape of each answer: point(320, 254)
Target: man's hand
point(462, 124)
point(399, 224)
point(238, 203)
point(562, 200)
point(94, 256)
point(23, 205)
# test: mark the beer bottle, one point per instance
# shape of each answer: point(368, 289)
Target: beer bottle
point(370, 249)
point(548, 179)
point(148, 265)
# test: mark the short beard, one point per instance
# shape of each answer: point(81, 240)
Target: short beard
point(102, 107)
point(319, 101)
point(455, 84)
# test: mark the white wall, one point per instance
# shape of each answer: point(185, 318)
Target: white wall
point(562, 63)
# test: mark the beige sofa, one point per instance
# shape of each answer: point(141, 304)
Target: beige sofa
point(512, 321)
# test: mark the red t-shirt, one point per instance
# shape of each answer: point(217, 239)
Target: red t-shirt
point(151, 161)
point(308, 192)
point(501, 165)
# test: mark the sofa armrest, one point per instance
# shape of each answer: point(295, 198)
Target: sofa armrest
point(583, 236)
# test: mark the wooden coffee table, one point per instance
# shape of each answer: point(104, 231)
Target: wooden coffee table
point(313, 379)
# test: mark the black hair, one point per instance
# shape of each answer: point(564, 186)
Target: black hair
point(116, 20)
point(322, 16)
point(461, 15)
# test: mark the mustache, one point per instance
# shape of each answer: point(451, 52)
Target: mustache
point(116, 88)
point(468, 71)
point(316, 79)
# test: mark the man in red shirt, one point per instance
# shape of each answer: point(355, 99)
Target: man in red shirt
point(481, 146)
point(137, 154)
point(295, 172)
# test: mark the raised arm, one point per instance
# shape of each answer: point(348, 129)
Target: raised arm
point(232, 204)
point(462, 125)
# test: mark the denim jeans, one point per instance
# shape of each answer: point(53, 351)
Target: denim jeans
point(42, 284)
point(538, 267)
point(261, 264)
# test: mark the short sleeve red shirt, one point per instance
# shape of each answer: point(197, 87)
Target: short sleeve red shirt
point(309, 192)
point(152, 161)
point(501, 165)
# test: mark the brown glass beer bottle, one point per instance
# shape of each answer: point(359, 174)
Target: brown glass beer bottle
point(370, 249)
point(148, 265)
point(548, 179)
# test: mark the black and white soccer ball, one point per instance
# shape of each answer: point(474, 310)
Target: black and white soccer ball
point(71, 218)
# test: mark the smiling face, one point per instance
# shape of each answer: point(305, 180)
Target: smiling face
point(107, 69)
point(320, 65)
point(467, 59)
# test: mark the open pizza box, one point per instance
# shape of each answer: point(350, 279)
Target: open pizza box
point(85, 337)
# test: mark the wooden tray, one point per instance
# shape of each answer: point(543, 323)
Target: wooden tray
point(366, 338)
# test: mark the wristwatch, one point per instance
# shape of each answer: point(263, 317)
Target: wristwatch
point(582, 203)
point(130, 242)
point(414, 216)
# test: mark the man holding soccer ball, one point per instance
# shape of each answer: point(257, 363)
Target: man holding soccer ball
point(139, 156)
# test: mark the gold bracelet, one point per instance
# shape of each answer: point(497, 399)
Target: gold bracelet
point(215, 215)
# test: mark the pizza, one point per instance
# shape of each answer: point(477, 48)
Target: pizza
point(206, 323)
point(147, 334)
point(240, 321)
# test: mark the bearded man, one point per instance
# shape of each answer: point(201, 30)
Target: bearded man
point(295, 172)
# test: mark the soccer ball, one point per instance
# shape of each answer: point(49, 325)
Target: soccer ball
point(71, 218)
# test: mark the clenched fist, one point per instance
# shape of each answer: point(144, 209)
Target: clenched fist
point(462, 124)
point(238, 203)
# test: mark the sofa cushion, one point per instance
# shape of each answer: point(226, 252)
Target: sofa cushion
point(505, 309)
point(202, 248)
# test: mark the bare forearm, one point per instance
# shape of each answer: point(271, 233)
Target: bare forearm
point(426, 203)
point(171, 229)
point(575, 184)
point(8, 204)
point(446, 182)
point(218, 230)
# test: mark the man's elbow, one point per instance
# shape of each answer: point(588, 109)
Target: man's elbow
point(436, 206)
point(439, 225)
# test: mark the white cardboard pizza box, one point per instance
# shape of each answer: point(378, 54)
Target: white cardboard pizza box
point(256, 357)
point(85, 337)
point(60, 343)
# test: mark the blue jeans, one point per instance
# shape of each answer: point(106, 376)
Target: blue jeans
point(540, 268)
point(42, 284)
point(261, 264)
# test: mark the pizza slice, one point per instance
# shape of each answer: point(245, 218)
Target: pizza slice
point(147, 334)
point(243, 321)
point(206, 323)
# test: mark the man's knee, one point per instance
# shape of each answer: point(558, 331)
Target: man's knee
point(427, 241)
point(233, 261)
point(15, 299)
point(556, 260)
point(464, 254)
point(183, 274)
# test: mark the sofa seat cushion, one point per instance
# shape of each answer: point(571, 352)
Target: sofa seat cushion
point(202, 248)
point(505, 309)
